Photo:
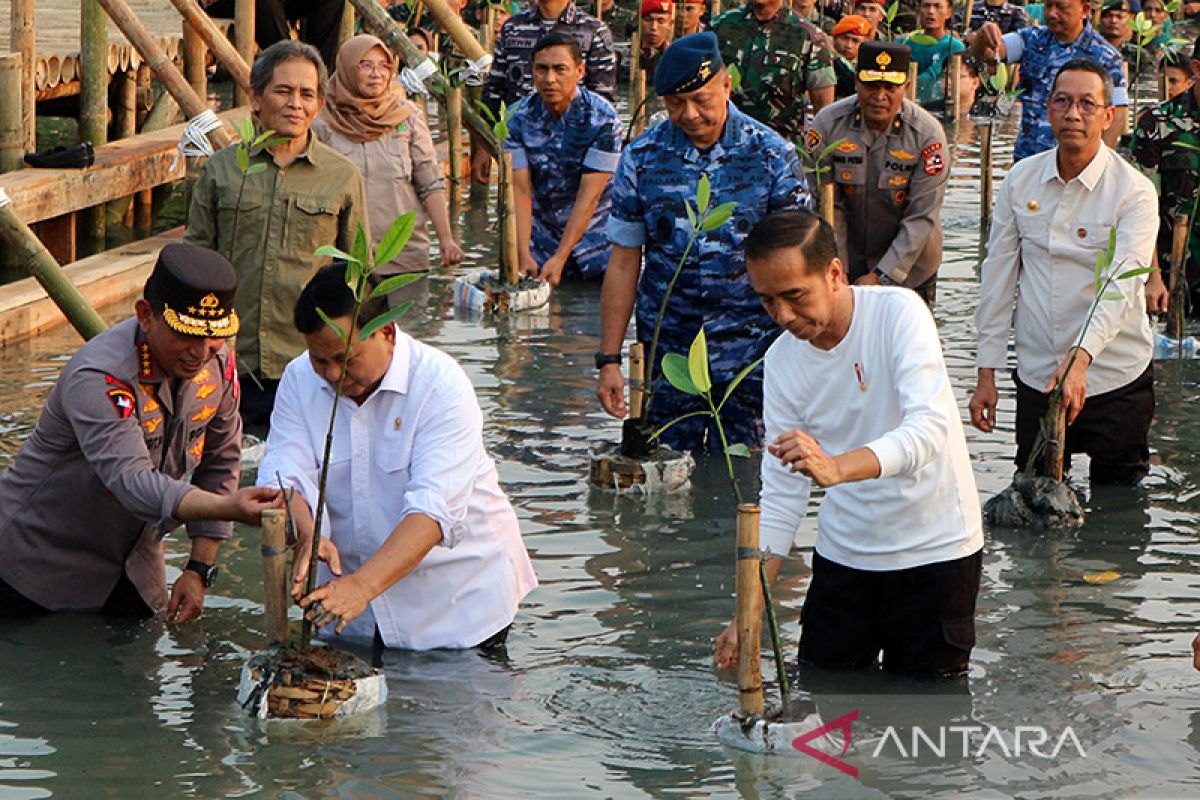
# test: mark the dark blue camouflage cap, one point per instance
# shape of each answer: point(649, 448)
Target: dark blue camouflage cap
point(688, 64)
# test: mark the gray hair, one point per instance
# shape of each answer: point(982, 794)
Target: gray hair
point(287, 50)
point(1087, 65)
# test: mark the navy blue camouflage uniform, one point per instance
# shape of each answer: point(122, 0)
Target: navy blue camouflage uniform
point(751, 165)
point(557, 152)
point(511, 76)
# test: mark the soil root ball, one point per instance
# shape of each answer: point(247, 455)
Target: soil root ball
point(1034, 502)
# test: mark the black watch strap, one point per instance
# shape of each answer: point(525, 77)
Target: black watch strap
point(207, 572)
point(604, 359)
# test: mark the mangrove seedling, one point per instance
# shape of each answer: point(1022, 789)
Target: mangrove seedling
point(1144, 32)
point(889, 19)
point(691, 375)
point(252, 142)
point(360, 268)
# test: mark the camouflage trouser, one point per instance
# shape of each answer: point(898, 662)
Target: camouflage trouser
point(741, 416)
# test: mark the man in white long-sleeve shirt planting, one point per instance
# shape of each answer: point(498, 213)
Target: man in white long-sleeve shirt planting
point(857, 400)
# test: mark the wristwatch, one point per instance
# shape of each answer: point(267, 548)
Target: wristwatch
point(884, 278)
point(603, 359)
point(207, 572)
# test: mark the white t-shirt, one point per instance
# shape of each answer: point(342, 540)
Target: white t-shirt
point(885, 387)
point(415, 445)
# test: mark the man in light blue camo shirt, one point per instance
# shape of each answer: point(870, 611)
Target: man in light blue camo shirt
point(565, 141)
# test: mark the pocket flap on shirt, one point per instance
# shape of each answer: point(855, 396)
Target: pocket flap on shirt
point(314, 205)
point(393, 453)
point(1094, 234)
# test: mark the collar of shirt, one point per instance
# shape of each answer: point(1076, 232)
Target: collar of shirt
point(732, 137)
point(781, 15)
point(397, 375)
point(1089, 177)
point(903, 116)
point(540, 114)
point(309, 153)
point(567, 17)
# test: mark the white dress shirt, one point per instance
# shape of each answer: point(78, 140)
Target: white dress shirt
point(884, 387)
point(415, 446)
point(1041, 255)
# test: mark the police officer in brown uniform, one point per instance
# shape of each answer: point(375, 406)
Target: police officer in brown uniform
point(890, 171)
point(96, 486)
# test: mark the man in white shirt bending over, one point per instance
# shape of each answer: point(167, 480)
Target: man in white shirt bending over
point(1052, 218)
point(857, 400)
point(421, 546)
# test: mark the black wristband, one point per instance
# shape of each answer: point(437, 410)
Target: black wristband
point(603, 359)
point(207, 572)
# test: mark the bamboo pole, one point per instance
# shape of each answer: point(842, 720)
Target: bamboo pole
point(31, 256)
point(952, 109)
point(488, 31)
point(24, 42)
point(827, 202)
point(510, 262)
point(12, 149)
point(143, 216)
point(93, 109)
point(985, 179)
point(969, 8)
point(912, 82)
point(1178, 277)
point(749, 611)
point(598, 10)
point(124, 126)
point(716, 10)
point(275, 574)
point(195, 61)
point(376, 20)
point(199, 24)
point(637, 379)
point(454, 134)
point(637, 82)
point(243, 39)
point(345, 24)
point(164, 69)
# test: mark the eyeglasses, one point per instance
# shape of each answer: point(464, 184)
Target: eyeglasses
point(1087, 107)
point(375, 66)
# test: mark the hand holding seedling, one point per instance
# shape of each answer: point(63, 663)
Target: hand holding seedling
point(339, 601)
point(1074, 384)
point(801, 453)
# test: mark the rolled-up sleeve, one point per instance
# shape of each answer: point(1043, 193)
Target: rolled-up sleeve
point(605, 151)
point(446, 455)
point(116, 449)
point(428, 177)
point(919, 378)
point(626, 223)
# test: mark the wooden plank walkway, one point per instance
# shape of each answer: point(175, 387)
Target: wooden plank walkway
point(57, 29)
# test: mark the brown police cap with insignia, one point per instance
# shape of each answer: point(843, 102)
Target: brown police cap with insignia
point(883, 61)
point(192, 289)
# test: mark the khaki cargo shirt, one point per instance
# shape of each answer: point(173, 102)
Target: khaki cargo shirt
point(284, 215)
point(888, 200)
point(94, 488)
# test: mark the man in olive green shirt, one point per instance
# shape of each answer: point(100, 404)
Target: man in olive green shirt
point(269, 221)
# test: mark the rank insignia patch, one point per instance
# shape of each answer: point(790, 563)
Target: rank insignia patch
point(812, 139)
point(204, 414)
point(204, 391)
point(122, 401)
point(151, 425)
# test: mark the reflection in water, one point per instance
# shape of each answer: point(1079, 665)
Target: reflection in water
point(608, 688)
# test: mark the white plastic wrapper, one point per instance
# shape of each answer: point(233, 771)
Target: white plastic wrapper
point(469, 293)
point(369, 692)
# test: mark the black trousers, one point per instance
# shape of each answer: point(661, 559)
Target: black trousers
point(124, 601)
point(1113, 428)
point(256, 402)
point(922, 618)
point(322, 21)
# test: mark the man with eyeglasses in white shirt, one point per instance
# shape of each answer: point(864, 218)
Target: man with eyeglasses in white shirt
point(421, 546)
point(1052, 218)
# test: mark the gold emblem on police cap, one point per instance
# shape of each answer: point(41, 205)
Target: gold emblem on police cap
point(882, 60)
point(705, 69)
point(1033, 205)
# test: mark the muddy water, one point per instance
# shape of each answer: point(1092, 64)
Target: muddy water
point(607, 690)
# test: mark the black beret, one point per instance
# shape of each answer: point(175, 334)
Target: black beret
point(883, 61)
point(688, 64)
point(192, 288)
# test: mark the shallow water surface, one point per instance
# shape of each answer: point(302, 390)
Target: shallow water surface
point(607, 689)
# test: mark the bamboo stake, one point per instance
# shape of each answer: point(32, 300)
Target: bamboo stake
point(93, 109)
point(243, 38)
point(749, 611)
point(952, 109)
point(1055, 438)
point(598, 10)
point(912, 82)
point(637, 82)
point(345, 24)
point(488, 32)
point(199, 24)
point(970, 8)
point(454, 133)
point(985, 179)
point(1162, 85)
point(124, 126)
point(164, 69)
point(1178, 278)
point(637, 379)
point(143, 216)
point(716, 9)
point(11, 145)
point(275, 574)
point(827, 202)
point(24, 42)
point(376, 20)
point(28, 253)
point(509, 260)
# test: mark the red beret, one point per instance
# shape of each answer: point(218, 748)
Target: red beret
point(656, 7)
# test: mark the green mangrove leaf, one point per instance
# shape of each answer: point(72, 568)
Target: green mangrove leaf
point(1098, 271)
point(892, 10)
point(703, 195)
point(396, 238)
point(332, 252)
point(735, 76)
point(395, 282)
point(738, 449)
point(385, 318)
point(664, 428)
point(1112, 296)
point(828, 151)
point(341, 334)
point(1133, 273)
point(675, 369)
point(243, 160)
point(275, 141)
point(246, 130)
point(488, 114)
point(691, 214)
point(354, 278)
point(719, 216)
point(697, 361)
point(920, 37)
point(741, 376)
point(256, 168)
point(360, 250)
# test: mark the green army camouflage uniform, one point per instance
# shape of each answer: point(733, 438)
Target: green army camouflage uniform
point(1156, 145)
point(779, 61)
